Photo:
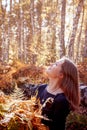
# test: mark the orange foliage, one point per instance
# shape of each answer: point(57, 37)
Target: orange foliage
point(22, 114)
point(35, 74)
point(82, 68)
point(18, 72)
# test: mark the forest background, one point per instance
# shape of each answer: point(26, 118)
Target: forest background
point(42, 31)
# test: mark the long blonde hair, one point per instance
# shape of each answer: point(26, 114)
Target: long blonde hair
point(70, 83)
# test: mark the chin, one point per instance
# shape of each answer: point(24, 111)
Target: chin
point(47, 70)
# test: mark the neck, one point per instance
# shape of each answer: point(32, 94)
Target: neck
point(53, 83)
point(54, 87)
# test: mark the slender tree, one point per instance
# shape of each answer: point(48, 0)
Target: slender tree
point(62, 38)
point(78, 44)
point(75, 25)
point(19, 32)
point(9, 32)
point(4, 30)
point(85, 44)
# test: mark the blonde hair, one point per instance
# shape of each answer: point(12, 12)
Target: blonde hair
point(70, 83)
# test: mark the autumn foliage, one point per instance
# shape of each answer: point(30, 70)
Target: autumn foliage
point(16, 113)
point(20, 114)
point(82, 67)
point(19, 72)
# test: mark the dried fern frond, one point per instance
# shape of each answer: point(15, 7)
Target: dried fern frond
point(18, 93)
point(22, 112)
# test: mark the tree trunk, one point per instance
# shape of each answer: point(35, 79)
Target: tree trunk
point(75, 25)
point(37, 20)
point(3, 53)
point(78, 46)
point(62, 40)
point(19, 34)
point(9, 33)
point(85, 44)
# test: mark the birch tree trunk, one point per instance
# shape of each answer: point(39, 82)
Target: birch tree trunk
point(3, 57)
point(1, 31)
point(9, 32)
point(19, 33)
point(26, 32)
point(52, 28)
point(75, 25)
point(22, 35)
point(62, 38)
point(37, 22)
point(85, 45)
point(78, 46)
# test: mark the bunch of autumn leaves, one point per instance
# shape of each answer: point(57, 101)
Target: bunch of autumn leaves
point(20, 114)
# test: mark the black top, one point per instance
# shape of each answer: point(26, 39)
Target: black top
point(55, 108)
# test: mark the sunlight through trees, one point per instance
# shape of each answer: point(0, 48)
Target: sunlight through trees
point(36, 31)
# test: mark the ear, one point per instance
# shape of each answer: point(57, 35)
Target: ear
point(61, 75)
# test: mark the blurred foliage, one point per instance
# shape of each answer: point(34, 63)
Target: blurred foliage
point(82, 68)
point(76, 121)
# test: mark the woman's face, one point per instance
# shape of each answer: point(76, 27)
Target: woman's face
point(54, 70)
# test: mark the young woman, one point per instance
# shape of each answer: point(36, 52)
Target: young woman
point(60, 95)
